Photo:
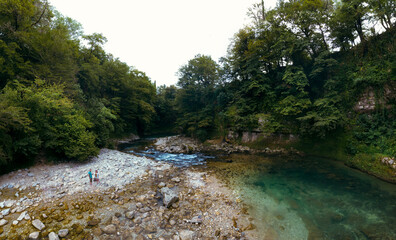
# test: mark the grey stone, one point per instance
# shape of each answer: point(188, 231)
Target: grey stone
point(5, 212)
point(186, 235)
point(22, 216)
point(3, 222)
point(53, 236)
point(196, 219)
point(34, 235)
point(130, 214)
point(9, 204)
point(170, 196)
point(176, 179)
point(110, 229)
point(38, 224)
point(63, 232)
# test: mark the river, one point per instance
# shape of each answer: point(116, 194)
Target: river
point(298, 197)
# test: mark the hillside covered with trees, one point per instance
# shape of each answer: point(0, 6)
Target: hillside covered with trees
point(301, 68)
point(62, 95)
point(321, 70)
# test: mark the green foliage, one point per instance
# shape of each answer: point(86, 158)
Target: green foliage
point(61, 129)
point(196, 98)
point(84, 98)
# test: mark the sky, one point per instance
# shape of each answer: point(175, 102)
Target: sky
point(157, 36)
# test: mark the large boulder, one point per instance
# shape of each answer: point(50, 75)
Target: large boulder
point(170, 196)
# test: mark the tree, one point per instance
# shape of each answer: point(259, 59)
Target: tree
point(196, 100)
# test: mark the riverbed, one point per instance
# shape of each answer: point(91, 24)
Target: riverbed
point(294, 197)
point(137, 197)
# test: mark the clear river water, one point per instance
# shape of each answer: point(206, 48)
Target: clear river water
point(298, 197)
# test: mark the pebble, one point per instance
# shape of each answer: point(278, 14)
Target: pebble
point(110, 229)
point(130, 214)
point(3, 222)
point(176, 179)
point(38, 224)
point(34, 235)
point(5, 212)
point(186, 235)
point(22, 216)
point(15, 222)
point(9, 204)
point(53, 236)
point(63, 233)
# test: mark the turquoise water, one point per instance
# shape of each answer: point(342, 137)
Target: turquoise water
point(299, 198)
point(314, 198)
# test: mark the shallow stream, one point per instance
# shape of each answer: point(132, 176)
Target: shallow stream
point(299, 198)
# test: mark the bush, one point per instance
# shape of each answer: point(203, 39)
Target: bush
point(52, 122)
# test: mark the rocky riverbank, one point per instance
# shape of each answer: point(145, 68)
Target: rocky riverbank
point(136, 198)
point(180, 144)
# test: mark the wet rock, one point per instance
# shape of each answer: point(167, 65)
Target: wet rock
point(186, 235)
point(38, 224)
point(63, 233)
point(53, 236)
point(110, 229)
point(170, 196)
point(3, 222)
point(34, 235)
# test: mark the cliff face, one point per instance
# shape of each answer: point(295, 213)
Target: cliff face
point(370, 101)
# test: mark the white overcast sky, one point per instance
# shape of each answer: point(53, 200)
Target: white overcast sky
point(157, 36)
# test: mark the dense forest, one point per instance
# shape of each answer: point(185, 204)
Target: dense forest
point(320, 70)
point(300, 68)
point(62, 96)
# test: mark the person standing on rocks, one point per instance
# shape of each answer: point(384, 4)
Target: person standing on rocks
point(90, 176)
point(96, 179)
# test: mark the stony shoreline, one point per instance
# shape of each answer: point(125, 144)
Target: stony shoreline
point(180, 144)
point(137, 198)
